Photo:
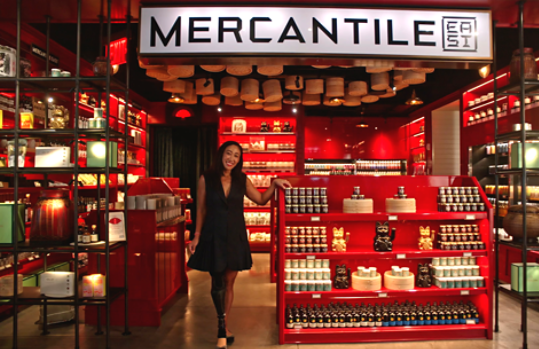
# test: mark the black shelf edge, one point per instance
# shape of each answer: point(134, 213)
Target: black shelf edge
point(531, 247)
point(59, 84)
point(529, 171)
point(514, 88)
point(83, 133)
point(26, 247)
point(530, 135)
point(58, 170)
point(506, 288)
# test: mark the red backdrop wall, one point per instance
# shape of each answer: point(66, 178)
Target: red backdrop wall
point(339, 138)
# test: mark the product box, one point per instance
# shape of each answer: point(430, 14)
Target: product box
point(53, 157)
point(57, 284)
point(517, 274)
point(96, 152)
point(99, 286)
point(6, 223)
point(532, 155)
point(87, 287)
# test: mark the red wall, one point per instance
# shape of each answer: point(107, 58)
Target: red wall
point(339, 138)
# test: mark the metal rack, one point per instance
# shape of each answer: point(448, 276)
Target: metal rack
point(76, 84)
point(520, 89)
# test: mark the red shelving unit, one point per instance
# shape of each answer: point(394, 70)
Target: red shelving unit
point(414, 141)
point(266, 155)
point(360, 252)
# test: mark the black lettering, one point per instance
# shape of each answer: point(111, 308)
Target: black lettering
point(418, 33)
point(452, 27)
point(390, 40)
point(355, 22)
point(291, 25)
point(193, 29)
point(252, 34)
point(317, 25)
point(452, 41)
point(236, 30)
point(466, 27)
point(155, 30)
point(466, 40)
point(377, 31)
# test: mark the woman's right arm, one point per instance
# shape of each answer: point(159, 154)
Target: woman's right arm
point(201, 212)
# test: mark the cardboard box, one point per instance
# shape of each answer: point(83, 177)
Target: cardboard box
point(6, 223)
point(517, 274)
point(53, 157)
point(96, 152)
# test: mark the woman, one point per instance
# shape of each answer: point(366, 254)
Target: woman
point(220, 245)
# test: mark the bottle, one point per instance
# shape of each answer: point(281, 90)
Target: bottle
point(86, 236)
point(462, 315)
point(349, 318)
point(406, 316)
point(80, 233)
point(28, 209)
point(385, 317)
point(342, 318)
point(392, 317)
point(378, 317)
point(357, 317)
point(399, 317)
point(312, 319)
point(441, 315)
point(364, 317)
point(434, 314)
point(320, 318)
point(455, 313)
point(370, 316)
point(289, 318)
point(327, 319)
point(413, 316)
point(334, 319)
point(420, 316)
point(428, 316)
point(94, 237)
point(448, 315)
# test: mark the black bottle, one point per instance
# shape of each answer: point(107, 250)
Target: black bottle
point(357, 317)
point(392, 317)
point(334, 319)
point(385, 316)
point(370, 317)
point(420, 316)
point(398, 315)
point(413, 316)
point(406, 316)
point(364, 317)
point(378, 317)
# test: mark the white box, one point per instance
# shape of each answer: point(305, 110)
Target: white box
point(53, 157)
point(57, 284)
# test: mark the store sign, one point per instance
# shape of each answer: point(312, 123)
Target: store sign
point(118, 51)
point(38, 51)
point(316, 32)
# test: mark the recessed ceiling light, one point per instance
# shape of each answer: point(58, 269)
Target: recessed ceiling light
point(219, 109)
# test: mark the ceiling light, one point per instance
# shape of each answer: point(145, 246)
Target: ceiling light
point(115, 68)
point(291, 98)
point(414, 100)
point(336, 100)
point(362, 124)
point(50, 100)
point(175, 98)
point(294, 110)
point(219, 109)
point(485, 71)
point(260, 99)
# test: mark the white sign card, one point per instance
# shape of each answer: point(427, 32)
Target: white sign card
point(399, 33)
point(116, 227)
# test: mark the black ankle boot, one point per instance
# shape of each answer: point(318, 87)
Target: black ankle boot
point(221, 329)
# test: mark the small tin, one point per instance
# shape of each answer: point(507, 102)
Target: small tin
point(317, 208)
point(301, 239)
point(288, 285)
point(295, 191)
point(325, 208)
point(443, 229)
point(436, 261)
point(450, 199)
point(324, 200)
point(316, 200)
point(288, 200)
point(319, 285)
point(404, 196)
point(309, 248)
point(472, 261)
point(316, 191)
point(318, 263)
point(294, 248)
point(468, 190)
point(477, 199)
point(462, 190)
point(302, 200)
point(460, 208)
point(301, 230)
point(481, 207)
point(308, 191)
point(302, 248)
point(316, 230)
point(316, 248)
point(325, 263)
point(287, 239)
point(441, 191)
point(309, 199)
point(446, 208)
point(454, 208)
point(401, 191)
point(287, 191)
point(475, 228)
point(301, 191)
point(316, 239)
point(357, 191)
point(295, 208)
point(443, 261)
point(287, 248)
point(467, 207)
point(288, 208)
point(323, 239)
point(355, 197)
point(295, 200)
point(294, 231)
point(308, 231)
point(463, 199)
point(309, 240)
point(475, 191)
point(323, 191)
point(457, 199)
point(442, 199)
point(303, 208)
point(473, 207)
point(323, 231)
point(324, 248)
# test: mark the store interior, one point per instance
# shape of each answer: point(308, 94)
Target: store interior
point(429, 150)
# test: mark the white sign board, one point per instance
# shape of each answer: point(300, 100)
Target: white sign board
point(317, 32)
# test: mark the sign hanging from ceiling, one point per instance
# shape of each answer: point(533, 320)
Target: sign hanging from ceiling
point(316, 32)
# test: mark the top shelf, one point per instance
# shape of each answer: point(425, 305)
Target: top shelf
point(352, 217)
point(531, 87)
point(258, 134)
point(60, 84)
point(515, 136)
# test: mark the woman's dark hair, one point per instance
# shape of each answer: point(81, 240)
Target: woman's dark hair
point(217, 166)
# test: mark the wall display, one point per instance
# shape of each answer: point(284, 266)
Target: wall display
point(306, 200)
point(239, 126)
point(338, 244)
point(383, 240)
point(418, 34)
point(460, 199)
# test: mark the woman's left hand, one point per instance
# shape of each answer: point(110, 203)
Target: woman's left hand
point(282, 183)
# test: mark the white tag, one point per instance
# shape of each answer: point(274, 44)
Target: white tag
point(317, 295)
point(382, 295)
point(470, 217)
point(311, 257)
point(315, 219)
point(298, 327)
point(467, 254)
point(392, 218)
point(401, 256)
point(465, 293)
point(470, 322)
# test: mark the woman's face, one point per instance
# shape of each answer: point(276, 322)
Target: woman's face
point(231, 157)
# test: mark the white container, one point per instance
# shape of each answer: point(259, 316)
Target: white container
point(57, 284)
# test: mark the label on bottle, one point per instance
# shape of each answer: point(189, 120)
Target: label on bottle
point(465, 293)
point(470, 217)
point(317, 295)
point(94, 238)
point(392, 218)
point(315, 219)
point(86, 239)
point(382, 295)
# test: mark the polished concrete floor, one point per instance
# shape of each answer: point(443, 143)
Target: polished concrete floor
point(190, 323)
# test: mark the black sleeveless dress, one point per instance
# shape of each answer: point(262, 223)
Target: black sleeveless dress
point(223, 240)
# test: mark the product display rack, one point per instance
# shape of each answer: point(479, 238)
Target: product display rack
point(413, 137)
point(103, 85)
point(264, 154)
point(360, 251)
point(519, 88)
point(340, 167)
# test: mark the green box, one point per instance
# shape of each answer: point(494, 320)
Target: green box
point(532, 155)
point(96, 152)
point(6, 223)
point(517, 274)
point(29, 281)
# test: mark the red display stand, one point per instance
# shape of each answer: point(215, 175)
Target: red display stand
point(406, 253)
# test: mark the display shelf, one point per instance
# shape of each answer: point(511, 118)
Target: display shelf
point(269, 152)
point(59, 84)
point(28, 247)
point(138, 128)
point(506, 288)
point(255, 226)
point(267, 170)
point(480, 105)
point(531, 87)
point(395, 254)
point(531, 247)
point(384, 334)
point(33, 296)
point(516, 136)
point(420, 147)
point(58, 170)
point(56, 133)
point(132, 165)
point(258, 134)
point(352, 217)
point(259, 246)
point(385, 293)
point(518, 172)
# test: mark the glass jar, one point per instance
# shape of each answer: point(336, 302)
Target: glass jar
point(52, 223)
point(530, 68)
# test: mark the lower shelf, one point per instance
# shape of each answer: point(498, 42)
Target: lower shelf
point(384, 293)
point(384, 334)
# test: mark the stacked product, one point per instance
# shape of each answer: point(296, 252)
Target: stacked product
point(457, 272)
point(400, 203)
point(306, 200)
point(384, 315)
point(460, 199)
point(257, 218)
point(306, 240)
point(259, 236)
point(307, 275)
point(357, 203)
point(460, 237)
point(366, 279)
point(399, 279)
point(166, 206)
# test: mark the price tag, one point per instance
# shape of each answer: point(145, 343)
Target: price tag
point(392, 218)
point(315, 219)
point(401, 256)
point(470, 322)
point(470, 217)
point(465, 293)
point(298, 327)
point(317, 296)
point(311, 257)
point(382, 295)
point(467, 254)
